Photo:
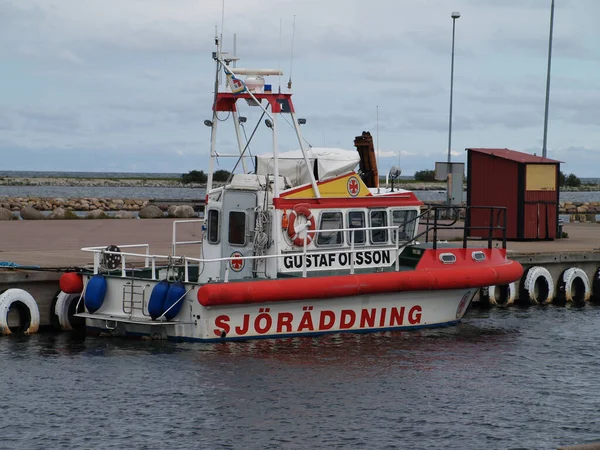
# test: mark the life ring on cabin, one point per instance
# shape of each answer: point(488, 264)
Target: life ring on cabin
point(27, 310)
point(64, 308)
point(574, 286)
point(501, 295)
point(538, 287)
point(301, 209)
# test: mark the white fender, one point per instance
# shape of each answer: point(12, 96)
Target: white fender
point(571, 276)
point(61, 309)
point(11, 296)
point(502, 295)
point(535, 293)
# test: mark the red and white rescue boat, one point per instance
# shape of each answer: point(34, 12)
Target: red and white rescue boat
point(298, 243)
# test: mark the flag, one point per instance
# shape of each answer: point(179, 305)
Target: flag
point(237, 86)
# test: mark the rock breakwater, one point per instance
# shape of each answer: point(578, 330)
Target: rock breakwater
point(38, 208)
point(97, 182)
point(73, 204)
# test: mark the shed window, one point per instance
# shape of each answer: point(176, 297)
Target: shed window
point(404, 222)
point(356, 219)
point(379, 219)
point(330, 221)
point(213, 226)
point(237, 228)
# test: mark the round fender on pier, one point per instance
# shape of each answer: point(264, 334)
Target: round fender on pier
point(574, 286)
point(23, 304)
point(538, 286)
point(71, 283)
point(501, 295)
point(65, 307)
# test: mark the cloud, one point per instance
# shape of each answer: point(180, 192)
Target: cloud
point(5, 122)
point(107, 74)
point(71, 57)
point(49, 121)
point(125, 125)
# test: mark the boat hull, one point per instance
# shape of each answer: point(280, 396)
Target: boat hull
point(361, 313)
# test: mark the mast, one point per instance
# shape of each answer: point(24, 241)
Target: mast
point(213, 124)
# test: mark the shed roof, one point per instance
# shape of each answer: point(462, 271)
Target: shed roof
point(514, 155)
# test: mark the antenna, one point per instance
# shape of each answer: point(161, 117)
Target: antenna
point(234, 50)
point(280, 52)
point(292, 56)
point(222, 23)
point(377, 146)
point(218, 75)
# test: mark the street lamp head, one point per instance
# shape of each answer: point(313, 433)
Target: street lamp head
point(455, 14)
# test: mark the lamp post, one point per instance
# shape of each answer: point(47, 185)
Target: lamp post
point(544, 151)
point(455, 15)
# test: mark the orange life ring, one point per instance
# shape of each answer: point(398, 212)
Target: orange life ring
point(301, 209)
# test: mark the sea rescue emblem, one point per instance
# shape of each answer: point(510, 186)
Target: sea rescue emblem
point(353, 186)
point(236, 262)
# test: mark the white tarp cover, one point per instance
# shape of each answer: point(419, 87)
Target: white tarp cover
point(331, 162)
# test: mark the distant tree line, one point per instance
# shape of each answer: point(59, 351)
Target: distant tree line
point(425, 175)
point(570, 180)
point(198, 176)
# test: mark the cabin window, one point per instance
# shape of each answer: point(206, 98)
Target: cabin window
point(213, 226)
point(330, 221)
point(379, 219)
point(356, 219)
point(404, 222)
point(237, 228)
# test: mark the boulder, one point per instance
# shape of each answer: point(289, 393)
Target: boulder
point(62, 214)
point(123, 215)
point(58, 213)
point(29, 213)
point(181, 211)
point(96, 214)
point(151, 212)
point(5, 214)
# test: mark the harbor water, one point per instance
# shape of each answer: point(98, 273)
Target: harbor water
point(502, 379)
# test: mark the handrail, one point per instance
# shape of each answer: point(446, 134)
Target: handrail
point(491, 228)
point(174, 241)
point(497, 215)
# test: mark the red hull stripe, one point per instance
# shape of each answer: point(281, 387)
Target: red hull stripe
point(284, 290)
point(357, 202)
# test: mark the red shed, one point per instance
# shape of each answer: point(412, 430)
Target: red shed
point(527, 185)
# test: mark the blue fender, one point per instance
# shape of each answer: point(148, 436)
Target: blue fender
point(174, 297)
point(156, 304)
point(94, 293)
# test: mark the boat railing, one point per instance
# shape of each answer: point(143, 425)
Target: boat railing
point(155, 261)
point(435, 221)
point(99, 252)
point(450, 217)
point(175, 242)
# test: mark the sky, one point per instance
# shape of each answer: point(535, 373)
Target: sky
point(125, 85)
